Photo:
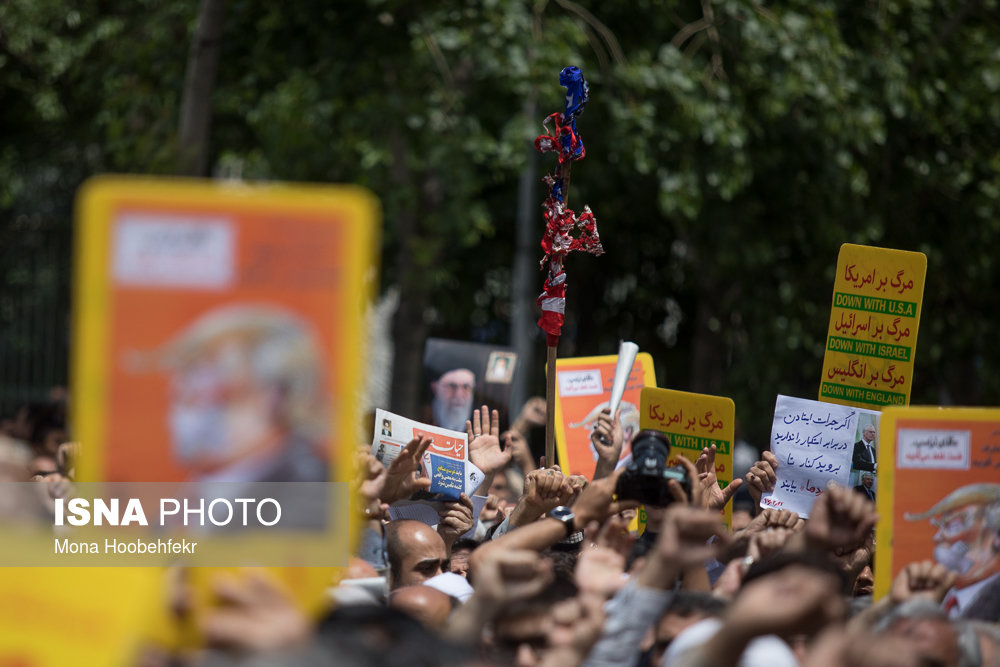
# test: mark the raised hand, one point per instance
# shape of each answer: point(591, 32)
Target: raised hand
point(491, 510)
point(532, 414)
point(402, 478)
point(840, 519)
point(576, 627)
point(922, 579)
point(515, 443)
point(601, 563)
point(456, 520)
point(595, 503)
point(544, 489)
point(484, 441)
point(256, 615)
point(506, 576)
point(793, 600)
point(372, 477)
point(607, 439)
point(762, 476)
point(768, 542)
point(713, 497)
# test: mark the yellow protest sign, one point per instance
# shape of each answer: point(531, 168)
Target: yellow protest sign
point(77, 616)
point(693, 422)
point(194, 296)
point(637, 524)
point(872, 336)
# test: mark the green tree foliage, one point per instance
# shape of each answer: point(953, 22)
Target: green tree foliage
point(732, 147)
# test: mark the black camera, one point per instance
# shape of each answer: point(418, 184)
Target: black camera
point(646, 475)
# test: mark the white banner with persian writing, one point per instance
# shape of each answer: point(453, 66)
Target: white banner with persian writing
point(813, 442)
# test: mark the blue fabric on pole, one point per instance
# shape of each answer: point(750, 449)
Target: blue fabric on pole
point(577, 96)
point(577, 91)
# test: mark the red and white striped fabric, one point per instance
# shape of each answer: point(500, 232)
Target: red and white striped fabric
point(552, 301)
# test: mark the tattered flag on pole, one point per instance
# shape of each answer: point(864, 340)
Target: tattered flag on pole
point(564, 230)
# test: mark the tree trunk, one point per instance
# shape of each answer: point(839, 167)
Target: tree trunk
point(409, 329)
point(199, 83)
point(525, 278)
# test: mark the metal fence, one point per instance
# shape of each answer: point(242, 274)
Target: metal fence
point(35, 268)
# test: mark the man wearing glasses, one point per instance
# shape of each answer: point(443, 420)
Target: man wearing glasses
point(968, 542)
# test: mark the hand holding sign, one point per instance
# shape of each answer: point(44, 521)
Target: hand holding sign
point(401, 479)
point(544, 490)
point(456, 520)
point(762, 476)
point(607, 439)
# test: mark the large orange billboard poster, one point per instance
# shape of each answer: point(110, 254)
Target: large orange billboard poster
point(208, 312)
point(939, 498)
point(583, 389)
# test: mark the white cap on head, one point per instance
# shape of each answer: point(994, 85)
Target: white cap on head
point(451, 584)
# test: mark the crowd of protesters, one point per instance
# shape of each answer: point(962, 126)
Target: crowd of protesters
point(549, 573)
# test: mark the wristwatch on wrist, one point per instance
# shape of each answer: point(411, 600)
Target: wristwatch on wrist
point(565, 516)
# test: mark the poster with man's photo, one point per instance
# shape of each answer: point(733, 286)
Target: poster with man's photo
point(865, 455)
point(940, 501)
point(461, 376)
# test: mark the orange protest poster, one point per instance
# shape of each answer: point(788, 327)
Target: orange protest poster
point(939, 499)
point(693, 422)
point(583, 390)
point(207, 313)
point(218, 339)
point(872, 337)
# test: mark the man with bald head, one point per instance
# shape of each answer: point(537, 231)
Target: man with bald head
point(416, 553)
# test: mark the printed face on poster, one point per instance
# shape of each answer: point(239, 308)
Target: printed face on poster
point(219, 329)
point(218, 338)
point(462, 376)
point(816, 443)
point(940, 500)
point(583, 391)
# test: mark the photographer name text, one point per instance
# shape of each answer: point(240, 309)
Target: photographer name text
point(115, 546)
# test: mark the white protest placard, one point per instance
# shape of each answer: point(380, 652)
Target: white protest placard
point(933, 449)
point(446, 461)
point(581, 383)
point(813, 442)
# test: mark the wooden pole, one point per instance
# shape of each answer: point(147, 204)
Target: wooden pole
point(550, 409)
point(550, 363)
